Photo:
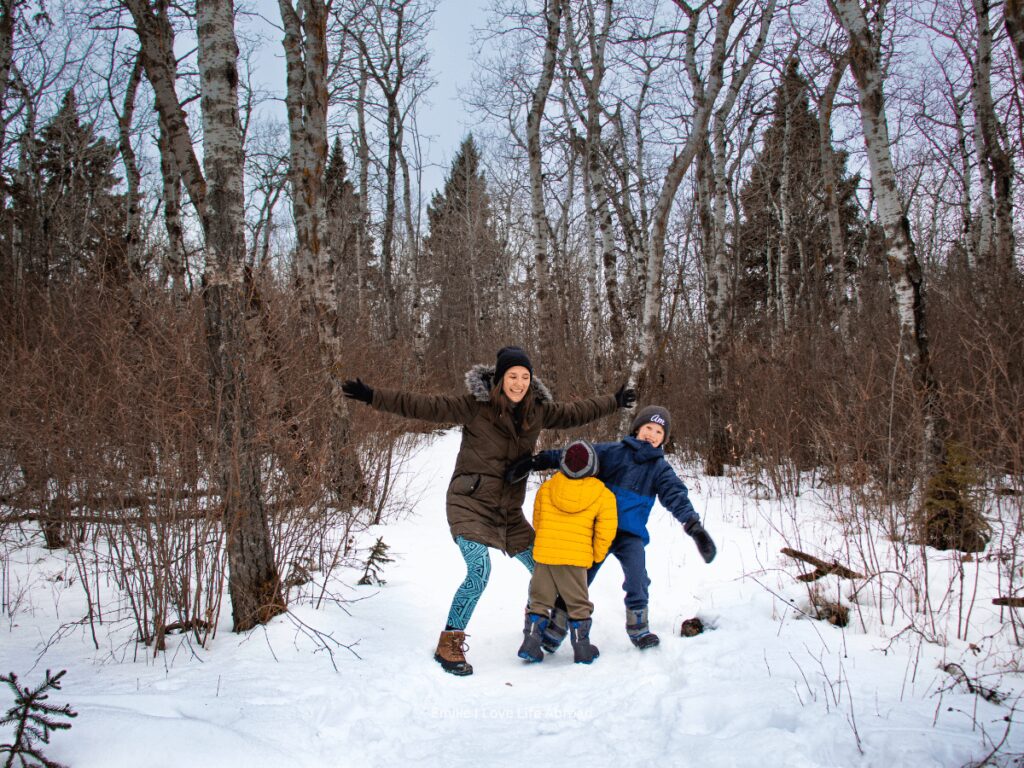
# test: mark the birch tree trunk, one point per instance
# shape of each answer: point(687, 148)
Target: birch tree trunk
point(253, 581)
point(830, 179)
point(713, 186)
point(596, 196)
point(131, 170)
point(538, 211)
point(176, 266)
point(8, 19)
point(994, 155)
point(904, 269)
point(786, 289)
point(156, 40)
point(652, 261)
point(305, 46)
point(947, 521)
point(363, 152)
point(966, 173)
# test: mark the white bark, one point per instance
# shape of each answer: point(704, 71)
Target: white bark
point(996, 161)
point(843, 275)
point(131, 169)
point(254, 581)
point(8, 10)
point(596, 195)
point(541, 225)
point(176, 266)
point(904, 269)
point(654, 259)
point(156, 40)
point(305, 46)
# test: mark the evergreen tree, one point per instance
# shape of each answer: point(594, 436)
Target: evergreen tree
point(33, 720)
point(465, 265)
point(348, 235)
point(785, 215)
point(67, 215)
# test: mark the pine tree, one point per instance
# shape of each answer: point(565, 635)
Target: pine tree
point(70, 219)
point(377, 558)
point(33, 720)
point(348, 235)
point(785, 216)
point(465, 265)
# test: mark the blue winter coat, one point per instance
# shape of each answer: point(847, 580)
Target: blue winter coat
point(637, 473)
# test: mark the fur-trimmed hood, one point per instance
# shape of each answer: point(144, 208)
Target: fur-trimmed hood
point(480, 381)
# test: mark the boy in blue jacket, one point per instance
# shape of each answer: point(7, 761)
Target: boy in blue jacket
point(636, 472)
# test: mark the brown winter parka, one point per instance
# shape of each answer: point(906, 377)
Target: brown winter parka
point(481, 506)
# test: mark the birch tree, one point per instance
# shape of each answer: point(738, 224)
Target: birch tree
point(305, 46)
point(587, 57)
point(218, 197)
point(541, 226)
point(865, 51)
point(254, 582)
point(8, 20)
point(714, 190)
point(994, 156)
point(390, 61)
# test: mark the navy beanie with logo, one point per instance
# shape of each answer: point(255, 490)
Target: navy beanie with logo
point(652, 414)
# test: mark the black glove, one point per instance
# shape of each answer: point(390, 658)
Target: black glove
point(357, 390)
point(705, 545)
point(518, 470)
point(625, 397)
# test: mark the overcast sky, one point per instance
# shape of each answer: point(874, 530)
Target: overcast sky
point(443, 122)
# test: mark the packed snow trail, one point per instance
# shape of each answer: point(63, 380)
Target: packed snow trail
point(763, 688)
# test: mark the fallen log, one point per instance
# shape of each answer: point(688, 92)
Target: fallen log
point(1012, 602)
point(821, 568)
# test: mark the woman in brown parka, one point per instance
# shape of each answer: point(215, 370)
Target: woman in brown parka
point(501, 417)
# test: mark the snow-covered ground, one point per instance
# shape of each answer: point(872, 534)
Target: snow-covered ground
point(764, 687)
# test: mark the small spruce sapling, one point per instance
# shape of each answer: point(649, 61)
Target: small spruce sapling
point(33, 719)
point(374, 562)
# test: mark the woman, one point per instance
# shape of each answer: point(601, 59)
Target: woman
point(501, 417)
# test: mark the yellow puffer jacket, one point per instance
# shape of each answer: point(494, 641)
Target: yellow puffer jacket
point(575, 521)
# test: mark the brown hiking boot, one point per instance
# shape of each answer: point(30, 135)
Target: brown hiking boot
point(451, 653)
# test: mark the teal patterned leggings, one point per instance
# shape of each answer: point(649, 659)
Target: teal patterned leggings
point(478, 571)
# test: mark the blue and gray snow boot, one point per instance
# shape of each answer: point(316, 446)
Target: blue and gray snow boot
point(583, 651)
point(533, 632)
point(639, 630)
point(556, 630)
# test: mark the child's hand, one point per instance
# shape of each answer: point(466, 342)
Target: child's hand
point(705, 545)
point(518, 470)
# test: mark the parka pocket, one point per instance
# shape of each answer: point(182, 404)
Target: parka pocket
point(465, 485)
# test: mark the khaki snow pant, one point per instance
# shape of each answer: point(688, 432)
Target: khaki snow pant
point(569, 581)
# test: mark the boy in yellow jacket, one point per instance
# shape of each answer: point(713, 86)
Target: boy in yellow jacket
point(575, 520)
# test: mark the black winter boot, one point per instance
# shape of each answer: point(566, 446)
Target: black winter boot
point(556, 630)
point(639, 630)
point(533, 633)
point(584, 652)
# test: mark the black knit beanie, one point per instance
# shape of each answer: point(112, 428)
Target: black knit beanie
point(579, 460)
point(509, 357)
point(652, 414)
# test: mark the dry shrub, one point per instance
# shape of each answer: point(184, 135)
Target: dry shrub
point(107, 439)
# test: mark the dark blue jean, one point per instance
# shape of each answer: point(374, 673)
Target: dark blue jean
point(629, 551)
